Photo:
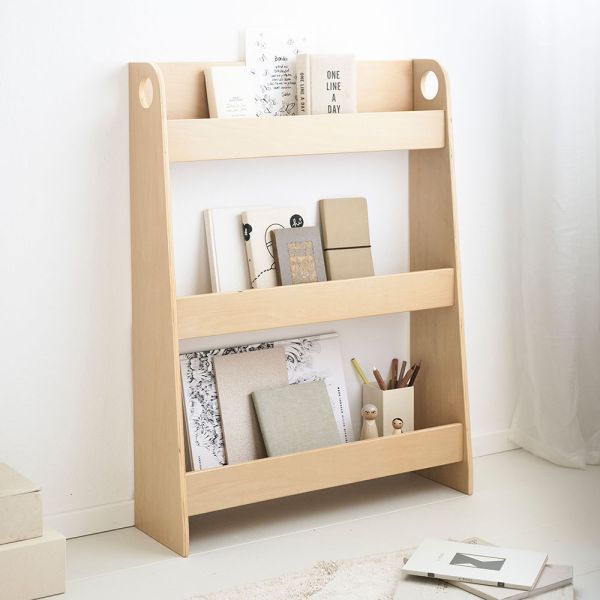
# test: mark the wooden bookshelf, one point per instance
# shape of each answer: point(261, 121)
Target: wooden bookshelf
point(168, 123)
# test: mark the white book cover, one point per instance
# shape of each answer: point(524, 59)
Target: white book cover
point(229, 92)
point(271, 57)
point(260, 253)
point(307, 359)
point(474, 563)
point(552, 578)
point(226, 251)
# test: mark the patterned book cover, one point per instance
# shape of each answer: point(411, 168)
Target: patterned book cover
point(307, 359)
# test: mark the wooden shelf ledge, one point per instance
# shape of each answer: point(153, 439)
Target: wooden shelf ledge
point(276, 477)
point(284, 306)
point(214, 139)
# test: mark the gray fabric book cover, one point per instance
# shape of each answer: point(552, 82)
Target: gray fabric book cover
point(237, 376)
point(299, 255)
point(295, 418)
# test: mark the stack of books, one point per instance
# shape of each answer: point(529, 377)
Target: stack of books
point(475, 567)
point(32, 556)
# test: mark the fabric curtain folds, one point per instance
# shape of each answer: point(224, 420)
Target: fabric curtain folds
point(557, 415)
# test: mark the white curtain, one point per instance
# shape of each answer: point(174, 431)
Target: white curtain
point(558, 408)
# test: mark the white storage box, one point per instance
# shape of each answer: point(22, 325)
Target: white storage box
point(20, 507)
point(390, 405)
point(33, 568)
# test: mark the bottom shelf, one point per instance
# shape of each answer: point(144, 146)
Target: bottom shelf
point(279, 476)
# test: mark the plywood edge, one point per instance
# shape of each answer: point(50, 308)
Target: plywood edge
point(283, 306)
point(222, 139)
point(276, 477)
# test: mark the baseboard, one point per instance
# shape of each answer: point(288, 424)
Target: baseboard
point(93, 520)
point(491, 443)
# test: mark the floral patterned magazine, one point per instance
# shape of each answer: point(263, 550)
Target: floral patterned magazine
point(307, 359)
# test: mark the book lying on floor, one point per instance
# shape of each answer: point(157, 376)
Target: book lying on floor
point(552, 578)
point(475, 563)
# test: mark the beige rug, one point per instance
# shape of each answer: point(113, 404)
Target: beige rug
point(365, 578)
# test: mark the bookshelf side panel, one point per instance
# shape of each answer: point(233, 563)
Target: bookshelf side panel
point(437, 336)
point(160, 497)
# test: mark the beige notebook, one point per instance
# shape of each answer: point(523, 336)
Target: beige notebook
point(237, 376)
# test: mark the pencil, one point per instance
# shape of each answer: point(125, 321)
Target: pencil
point(358, 369)
point(394, 373)
point(379, 379)
point(402, 369)
point(414, 375)
point(407, 377)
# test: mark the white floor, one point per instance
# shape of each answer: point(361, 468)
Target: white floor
point(519, 501)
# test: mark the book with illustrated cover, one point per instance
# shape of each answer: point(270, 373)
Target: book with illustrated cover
point(476, 563)
point(326, 84)
point(309, 358)
point(295, 418)
point(226, 251)
point(271, 57)
point(258, 224)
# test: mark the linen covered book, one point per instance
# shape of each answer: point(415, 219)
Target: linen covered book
point(475, 563)
point(326, 84)
point(237, 376)
point(295, 418)
point(299, 255)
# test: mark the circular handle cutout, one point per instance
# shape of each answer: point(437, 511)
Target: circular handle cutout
point(429, 85)
point(146, 92)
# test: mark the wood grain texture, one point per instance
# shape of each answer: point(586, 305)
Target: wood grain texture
point(279, 476)
point(383, 86)
point(284, 306)
point(219, 139)
point(160, 500)
point(436, 337)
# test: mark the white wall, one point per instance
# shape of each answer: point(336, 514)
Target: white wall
point(65, 380)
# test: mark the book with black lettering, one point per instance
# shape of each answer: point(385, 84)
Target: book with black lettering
point(475, 563)
point(326, 84)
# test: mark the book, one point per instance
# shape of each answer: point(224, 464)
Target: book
point(271, 57)
point(299, 255)
point(346, 239)
point(553, 577)
point(226, 250)
point(237, 377)
point(319, 357)
point(258, 224)
point(326, 84)
point(201, 404)
point(309, 358)
point(295, 418)
point(229, 91)
point(475, 563)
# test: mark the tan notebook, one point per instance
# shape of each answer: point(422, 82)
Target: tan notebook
point(237, 376)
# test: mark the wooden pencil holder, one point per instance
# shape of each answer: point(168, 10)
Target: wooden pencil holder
point(390, 405)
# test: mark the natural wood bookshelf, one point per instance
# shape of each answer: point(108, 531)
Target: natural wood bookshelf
point(169, 124)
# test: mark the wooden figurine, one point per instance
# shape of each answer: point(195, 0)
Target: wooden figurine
point(397, 424)
point(369, 427)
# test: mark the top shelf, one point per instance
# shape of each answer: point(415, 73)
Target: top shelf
point(215, 139)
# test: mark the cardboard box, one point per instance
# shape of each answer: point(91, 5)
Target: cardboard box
point(33, 568)
point(20, 507)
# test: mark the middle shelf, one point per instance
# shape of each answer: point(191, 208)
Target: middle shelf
point(284, 306)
